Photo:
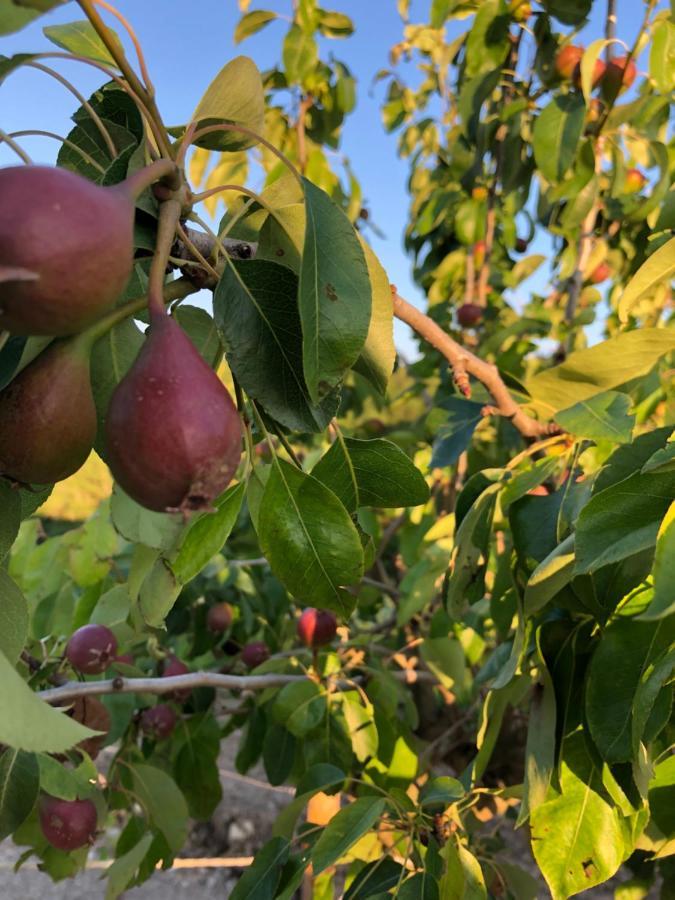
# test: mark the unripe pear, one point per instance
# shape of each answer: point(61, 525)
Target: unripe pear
point(174, 666)
point(635, 181)
point(255, 654)
point(219, 618)
point(75, 235)
point(47, 416)
point(520, 10)
point(159, 721)
point(567, 60)
point(600, 273)
point(618, 77)
point(469, 314)
point(479, 193)
point(91, 649)
point(67, 824)
point(173, 434)
point(316, 627)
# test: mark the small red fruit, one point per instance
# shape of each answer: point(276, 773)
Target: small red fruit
point(67, 824)
point(479, 193)
point(219, 618)
point(255, 654)
point(635, 181)
point(91, 649)
point(521, 245)
point(174, 666)
point(619, 75)
point(469, 314)
point(600, 273)
point(316, 627)
point(567, 61)
point(158, 721)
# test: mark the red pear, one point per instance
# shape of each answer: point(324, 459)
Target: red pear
point(567, 60)
point(255, 654)
point(75, 236)
point(469, 314)
point(316, 627)
point(91, 649)
point(67, 824)
point(159, 721)
point(173, 434)
point(174, 666)
point(47, 416)
point(219, 618)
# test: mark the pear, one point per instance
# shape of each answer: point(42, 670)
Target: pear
point(173, 435)
point(47, 415)
point(72, 238)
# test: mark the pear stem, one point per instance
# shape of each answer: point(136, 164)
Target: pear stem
point(169, 218)
point(20, 152)
point(162, 168)
point(35, 132)
point(174, 290)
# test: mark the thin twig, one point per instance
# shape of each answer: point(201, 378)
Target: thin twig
point(20, 152)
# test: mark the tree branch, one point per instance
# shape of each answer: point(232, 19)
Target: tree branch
point(161, 685)
point(464, 361)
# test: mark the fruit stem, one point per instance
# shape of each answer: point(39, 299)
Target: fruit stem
point(169, 218)
point(210, 129)
point(114, 48)
point(135, 184)
point(35, 132)
point(20, 152)
point(174, 290)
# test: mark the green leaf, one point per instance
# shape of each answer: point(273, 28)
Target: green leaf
point(334, 297)
point(235, 96)
point(488, 42)
point(158, 594)
point(260, 880)
point(662, 56)
point(13, 618)
point(196, 766)
point(541, 736)
point(578, 835)
point(112, 607)
point(300, 707)
point(647, 693)
point(300, 54)
point(14, 17)
point(463, 878)
point(455, 433)
point(378, 354)
point(27, 723)
point(81, 39)
point(207, 535)
point(124, 869)
point(622, 520)
point(255, 305)
point(663, 602)
point(138, 525)
point(588, 61)
point(556, 135)
point(279, 750)
point(59, 781)
point(631, 458)
point(375, 878)
point(603, 367)
point(662, 797)
point(659, 267)
point(160, 796)
point(439, 793)
point(19, 786)
point(344, 830)
point(360, 718)
point(467, 571)
point(334, 24)
point(603, 417)
point(570, 12)
point(625, 651)
point(661, 460)
point(201, 329)
point(111, 359)
point(309, 539)
point(371, 473)
point(252, 23)
point(550, 576)
point(10, 516)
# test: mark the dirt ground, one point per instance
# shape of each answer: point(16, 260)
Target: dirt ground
point(241, 824)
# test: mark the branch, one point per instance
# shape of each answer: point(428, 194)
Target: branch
point(161, 685)
point(464, 361)
point(610, 29)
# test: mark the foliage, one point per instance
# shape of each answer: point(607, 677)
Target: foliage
point(503, 581)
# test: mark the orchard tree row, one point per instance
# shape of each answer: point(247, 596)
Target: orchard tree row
point(437, 598)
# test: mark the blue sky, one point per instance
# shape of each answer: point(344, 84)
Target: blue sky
point(186, 43)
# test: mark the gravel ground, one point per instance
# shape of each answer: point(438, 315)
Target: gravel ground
point(241, 824)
